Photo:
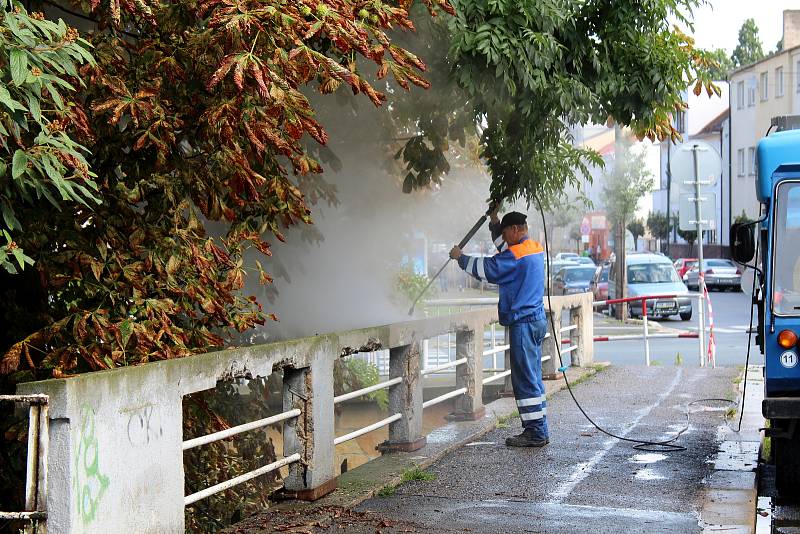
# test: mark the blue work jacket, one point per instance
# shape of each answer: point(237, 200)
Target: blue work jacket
point(519, 272)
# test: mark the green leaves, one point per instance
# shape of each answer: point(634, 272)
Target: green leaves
point(19, 164)
point(19, 66)
point(45, 161)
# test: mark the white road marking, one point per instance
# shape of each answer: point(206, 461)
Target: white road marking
point(583, 469)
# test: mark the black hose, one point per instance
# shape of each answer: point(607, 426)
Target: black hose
point(641, 444)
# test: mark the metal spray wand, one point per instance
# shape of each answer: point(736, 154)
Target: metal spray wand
point(477, 226)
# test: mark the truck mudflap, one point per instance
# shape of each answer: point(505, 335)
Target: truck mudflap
point(781, 408)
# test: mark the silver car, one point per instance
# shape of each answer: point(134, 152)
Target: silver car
point(653, 274)
point(719, 274)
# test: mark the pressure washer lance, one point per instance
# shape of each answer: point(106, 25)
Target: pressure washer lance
point(493, 206)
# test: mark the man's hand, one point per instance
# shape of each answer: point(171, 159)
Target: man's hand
point(494, 207)
point(455, 253)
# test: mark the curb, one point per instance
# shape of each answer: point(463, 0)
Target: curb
point(731, 491)
point(365, 481)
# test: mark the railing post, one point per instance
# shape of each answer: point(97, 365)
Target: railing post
point(311, 434)
point(405, 398)
point(582, 336)
point(552, 345)
point(469, 406)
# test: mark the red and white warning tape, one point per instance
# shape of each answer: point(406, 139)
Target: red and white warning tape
point(711, 353)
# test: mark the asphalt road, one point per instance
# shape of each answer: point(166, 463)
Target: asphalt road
point(583, 481)
point(731, 321)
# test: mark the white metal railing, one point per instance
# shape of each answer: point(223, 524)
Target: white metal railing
point(227, 433)
point(367, 429)
point(647, 336)
point(36, 463)
point(222, 486)
point(449, 365)
point(365, 391)
point(442, 398)
point(233, 431)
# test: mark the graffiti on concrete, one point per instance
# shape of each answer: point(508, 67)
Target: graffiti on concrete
point(143, 428)
point(90, 483)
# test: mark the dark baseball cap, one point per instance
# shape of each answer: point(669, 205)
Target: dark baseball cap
point(513, 218)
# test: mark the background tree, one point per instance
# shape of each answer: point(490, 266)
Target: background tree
point(625, 186)
point(690, 236)
point(636, 227)
point(659, 225)
point(575, 235)
point(749, 49)
point(742, 218)
point(724, 64)
point(561, 219)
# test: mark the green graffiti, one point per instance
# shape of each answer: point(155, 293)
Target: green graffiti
point(90, 483)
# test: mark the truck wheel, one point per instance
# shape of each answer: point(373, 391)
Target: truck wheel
point(685, 316)
point(787, 465)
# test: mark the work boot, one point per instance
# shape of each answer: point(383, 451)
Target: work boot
point(528, 438)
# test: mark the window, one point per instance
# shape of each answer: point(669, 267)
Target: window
point(740, 92)
point(779, 82)
point(652, 273)
point(680, 122)
point(751, 95)
point(740, 162)
point(764, 88)
point(786, 228)
point(751, 161)
point(797, 74)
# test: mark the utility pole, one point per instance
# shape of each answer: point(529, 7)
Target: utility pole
point(669, 194)
point(701, 282)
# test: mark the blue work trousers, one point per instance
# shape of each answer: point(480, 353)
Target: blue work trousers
point(526, 374)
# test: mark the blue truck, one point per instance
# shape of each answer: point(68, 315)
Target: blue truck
point(774, 243)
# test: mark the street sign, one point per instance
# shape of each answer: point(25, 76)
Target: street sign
point(709, 165)
point(585, 228)
point(585, 238)
point(688, 211)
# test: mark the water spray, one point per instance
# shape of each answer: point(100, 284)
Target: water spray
point(493, 207)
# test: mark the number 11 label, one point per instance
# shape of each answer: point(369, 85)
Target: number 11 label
point(788, 359)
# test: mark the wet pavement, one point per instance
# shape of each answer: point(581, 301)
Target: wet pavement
point(584, 481)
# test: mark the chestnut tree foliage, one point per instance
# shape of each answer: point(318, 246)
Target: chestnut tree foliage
point(125, 144)
point(192, 113)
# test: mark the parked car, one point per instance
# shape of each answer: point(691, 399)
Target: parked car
point(557, 265)
point(599, 283)
point(562, 256)
point(585, 260)
point(683, 265)
point(719, 274)
point(572, 279)
point(653, 274)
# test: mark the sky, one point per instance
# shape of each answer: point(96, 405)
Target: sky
point(717, 23)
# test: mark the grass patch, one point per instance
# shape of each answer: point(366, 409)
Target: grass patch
point(505, 420)
point(655, 363)
point(586, 376)
point(766, 446)
point(415, 473)
point(387, 491)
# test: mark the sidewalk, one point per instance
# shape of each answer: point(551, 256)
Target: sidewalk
point(383, 474)
point(584, 481)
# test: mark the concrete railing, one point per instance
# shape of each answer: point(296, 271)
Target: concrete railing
point(577, 333)
point(115, 455)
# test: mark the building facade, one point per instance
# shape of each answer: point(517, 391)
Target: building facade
point(706, 119)
point(759, 92)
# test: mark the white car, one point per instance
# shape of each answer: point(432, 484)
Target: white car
point(565, 256)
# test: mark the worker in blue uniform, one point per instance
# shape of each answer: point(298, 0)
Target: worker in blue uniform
point(518, 270)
